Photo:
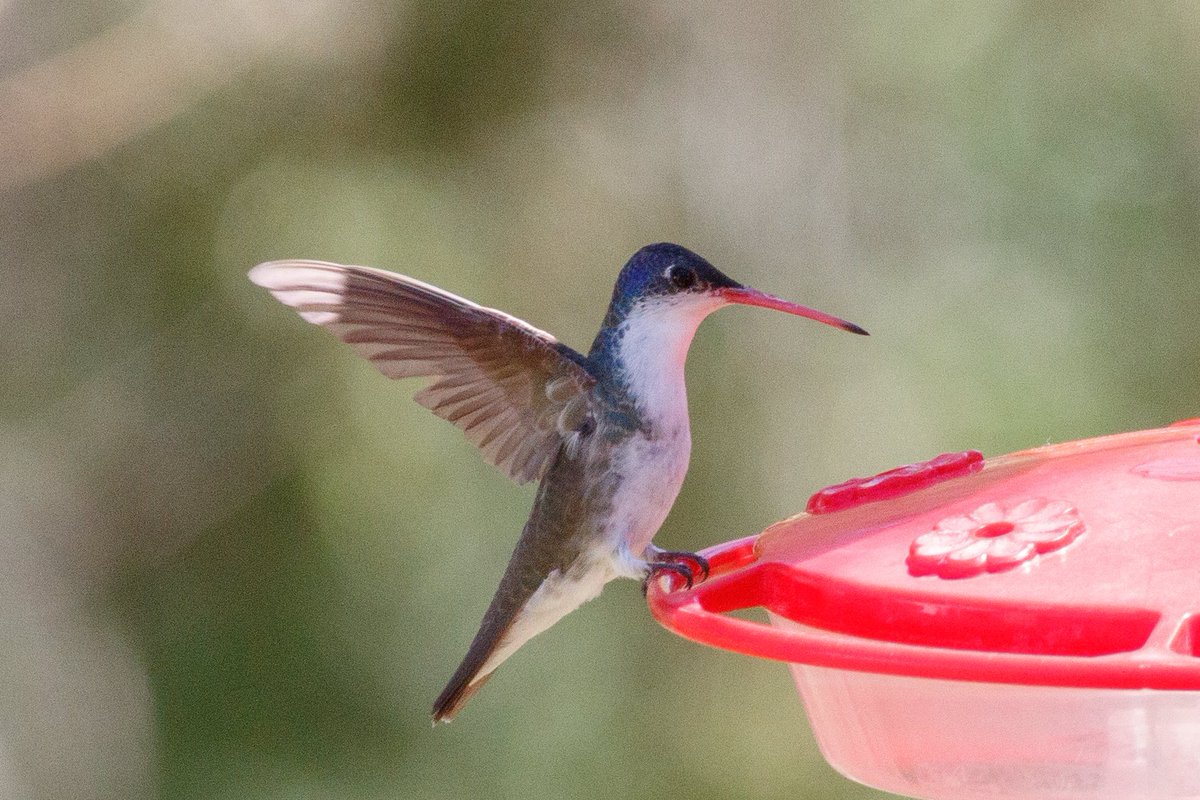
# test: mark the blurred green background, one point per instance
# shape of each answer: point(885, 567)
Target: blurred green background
point(238, 563)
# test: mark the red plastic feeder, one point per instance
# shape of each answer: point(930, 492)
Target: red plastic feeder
point(1021, 627)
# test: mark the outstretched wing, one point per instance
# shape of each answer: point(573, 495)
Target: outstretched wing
point(513, 389)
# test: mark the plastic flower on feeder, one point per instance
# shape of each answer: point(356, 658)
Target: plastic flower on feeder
point(994, 537)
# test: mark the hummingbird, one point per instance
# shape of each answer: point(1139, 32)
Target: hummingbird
point(606, 434)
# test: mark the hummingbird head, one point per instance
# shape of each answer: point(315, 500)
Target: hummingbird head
point(662, 295)
point(676, 281)
point(661, 271)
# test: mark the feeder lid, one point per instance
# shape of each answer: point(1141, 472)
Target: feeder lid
point(1076, 564)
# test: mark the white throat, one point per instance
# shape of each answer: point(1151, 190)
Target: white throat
point(653, 349)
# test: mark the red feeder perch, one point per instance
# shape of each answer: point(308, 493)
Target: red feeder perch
point(1022, 627)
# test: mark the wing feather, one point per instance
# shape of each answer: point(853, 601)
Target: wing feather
point(497, 378)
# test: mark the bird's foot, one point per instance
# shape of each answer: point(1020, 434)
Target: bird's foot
point(686, 565)
point(696, 562)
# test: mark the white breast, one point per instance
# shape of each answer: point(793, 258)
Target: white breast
point(653, 464)
point(652, 471)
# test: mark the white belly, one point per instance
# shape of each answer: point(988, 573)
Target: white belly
point(652, 472)
point(652, 465)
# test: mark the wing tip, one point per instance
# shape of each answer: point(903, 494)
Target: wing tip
point(309, 287)
point(276, 274)
point(260, 275)
point(284, 272)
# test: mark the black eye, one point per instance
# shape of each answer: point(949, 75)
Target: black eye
point(681, 277)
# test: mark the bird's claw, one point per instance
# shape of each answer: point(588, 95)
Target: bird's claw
point(685, 565)
point(699, 562)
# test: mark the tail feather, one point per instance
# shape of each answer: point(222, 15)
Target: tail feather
point(512, 619)
point(471, 674)
point(456, 694)
point(542, 582)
